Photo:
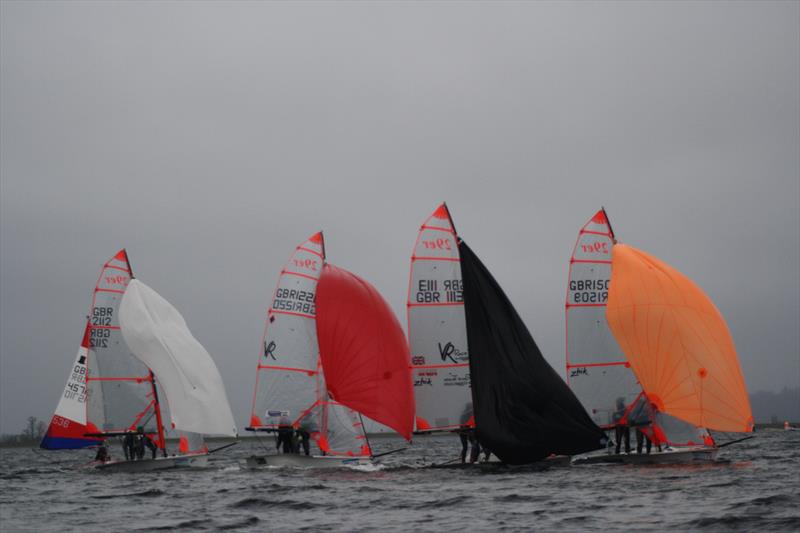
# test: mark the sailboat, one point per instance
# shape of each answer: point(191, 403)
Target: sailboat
point(136, 347)
point(647, 348)
point(474, 362)
point(332, 351)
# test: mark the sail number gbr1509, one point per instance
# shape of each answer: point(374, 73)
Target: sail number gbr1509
point(588, 291)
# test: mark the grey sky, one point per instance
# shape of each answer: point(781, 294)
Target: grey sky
point(210, 139)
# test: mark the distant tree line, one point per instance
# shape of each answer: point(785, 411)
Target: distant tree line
point(31, 435)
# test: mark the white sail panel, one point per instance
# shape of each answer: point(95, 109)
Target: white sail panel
point(288, 380)
point(120, 387)
point(158, 335)
point(72, 405)
point(437, 328)
point(597, 370)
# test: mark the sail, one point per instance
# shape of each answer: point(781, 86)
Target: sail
point(288, 378)
point(437, 331)
point(120, 387)
point(524, 411)
point(290, 385)
point(68, 426)
point(363, 350)
point(597, 370)
point(677, 343)
point(158, 335)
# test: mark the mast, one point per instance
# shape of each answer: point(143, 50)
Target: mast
point(608, 223)
point(162, 441)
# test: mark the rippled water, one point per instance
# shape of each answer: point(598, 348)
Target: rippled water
point(756, 488)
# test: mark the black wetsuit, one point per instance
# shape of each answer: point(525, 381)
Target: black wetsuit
point(468, 438)
point(151, 445)
point(129, 447)
point(285, 439)
point(304, 437)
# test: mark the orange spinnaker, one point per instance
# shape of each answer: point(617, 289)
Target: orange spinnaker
point(677, 343)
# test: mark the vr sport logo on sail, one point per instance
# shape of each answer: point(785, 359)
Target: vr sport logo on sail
point(588, 291)
point(295, 301)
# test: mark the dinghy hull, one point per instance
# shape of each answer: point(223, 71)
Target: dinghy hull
point(159, 463)
point(680, 456)
point(305, 461)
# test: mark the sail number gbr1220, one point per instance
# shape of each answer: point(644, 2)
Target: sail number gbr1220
point(588, 291)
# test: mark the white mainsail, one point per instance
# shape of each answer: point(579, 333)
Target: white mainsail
point(437, 330)
point(158, 335)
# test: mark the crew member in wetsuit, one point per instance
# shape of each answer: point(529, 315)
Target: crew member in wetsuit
point(102, 454)
point(467, 436)
point(129, 446)
point(303, 437)
point(151, 445)
point(285, 434)
point(140, 438)
point(621, 428)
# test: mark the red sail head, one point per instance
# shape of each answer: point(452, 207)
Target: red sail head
point(363, 350)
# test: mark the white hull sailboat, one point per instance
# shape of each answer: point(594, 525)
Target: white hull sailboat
point(648, 352)
point(136, 348)
point(332, 350)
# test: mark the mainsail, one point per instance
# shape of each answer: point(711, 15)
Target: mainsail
point(524, 411)
point(158, 335)
point(437, 330)
point(68, 427)
point(290, 383)
point(597, 370)
point(677, 343)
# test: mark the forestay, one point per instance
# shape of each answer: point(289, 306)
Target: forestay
point(437, 329)
point(597, 370)
point(158, 335)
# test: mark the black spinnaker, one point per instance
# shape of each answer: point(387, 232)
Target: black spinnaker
point(524, 412)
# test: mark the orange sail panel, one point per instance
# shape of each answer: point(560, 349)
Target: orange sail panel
point(677, 343)
point(363, 350)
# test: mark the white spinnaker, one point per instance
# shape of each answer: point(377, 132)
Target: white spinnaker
point(158, 336)
point(597, 370)
point(437, 330)
point(290, 385)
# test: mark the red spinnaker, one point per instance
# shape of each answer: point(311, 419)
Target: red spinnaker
point(363, 350)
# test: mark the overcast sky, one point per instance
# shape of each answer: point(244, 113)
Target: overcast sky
point(210, 139)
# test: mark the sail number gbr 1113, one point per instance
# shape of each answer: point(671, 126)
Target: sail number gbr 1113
point(588, 291)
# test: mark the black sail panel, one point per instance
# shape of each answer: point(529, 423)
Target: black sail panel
point(524, 411)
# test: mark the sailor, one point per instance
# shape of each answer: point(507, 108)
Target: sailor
point(621, 428)
point(151, 445)
point(140, 438)
point(468, 439)
point(284, 435)
point(129, 446)
point(303, 437)
point(102, 454)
